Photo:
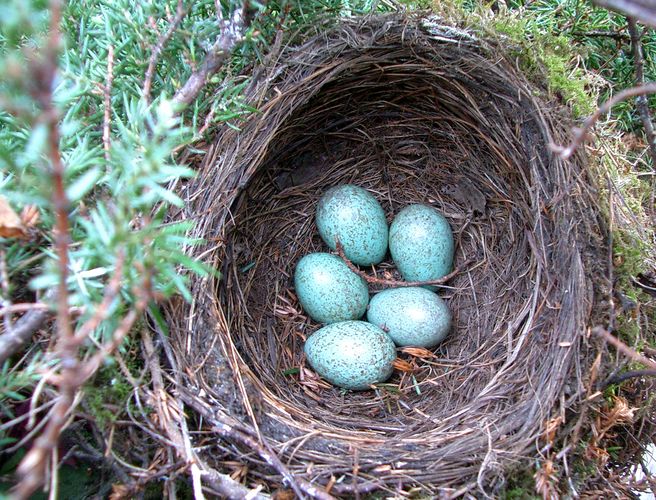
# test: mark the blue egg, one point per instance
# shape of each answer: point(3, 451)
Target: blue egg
point(351, 354)
point(328, 290)
point(352, 215)
point(411, 316)
point(421, 243)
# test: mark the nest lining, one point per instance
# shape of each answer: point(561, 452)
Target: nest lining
point(414, 112)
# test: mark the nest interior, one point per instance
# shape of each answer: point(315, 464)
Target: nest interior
point(415, 112)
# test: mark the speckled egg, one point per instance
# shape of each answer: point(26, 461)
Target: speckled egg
point(421, 243)
point(352, 215)
point(411, 316)
point(351, 354)
point(328, 290)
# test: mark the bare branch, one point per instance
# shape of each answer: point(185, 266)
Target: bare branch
point(226, 428)
point(232, 32)
point(616, 35)
point(384, 282)
point(642, 10)
point(641, 101)
point(581, 134)
point(616, 379)
point(159, 46)
point(21, 333)
point(623, 348)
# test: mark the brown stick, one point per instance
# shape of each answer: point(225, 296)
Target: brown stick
point(616, 379)
point(642, 10)
point(227, 429)
point(623, 348)
point(157, 50)
point(231, 34)
point(581, 134)
point(641, 101)
point(32, 468)
point(21, 333)
point(394, 283)
point(616, 35)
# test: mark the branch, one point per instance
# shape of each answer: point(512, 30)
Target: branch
point(226, 428)
point(21, 333)
point(643, 10)
point(641, 101)
point(616, 379)
point(623, 348)
point(232, 32)
point(380, 281)
point(581, 134)
point(159, 46)
point(616, 35)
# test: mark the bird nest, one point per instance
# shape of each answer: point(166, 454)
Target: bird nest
point(415, 112)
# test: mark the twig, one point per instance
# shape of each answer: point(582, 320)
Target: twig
point(108, 102)
point(601, 34)
point(232, 32)
point(623, 348)
point(581, 134)
point(395, 283)
point(6, 294)
point(159, 46)
point(642, 10)
point(227, 429)
point(24, 307)
point(228, 487)
point(616, 379)
point(21, 333)
point(641, 101)
point(73, 372)
point(32, 468)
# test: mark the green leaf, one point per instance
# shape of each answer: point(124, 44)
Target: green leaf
point(82, 185)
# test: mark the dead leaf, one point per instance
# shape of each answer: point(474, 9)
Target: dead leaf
point(30, 216)
point(403, 366)
point(619, 414)
point(418, 352)
point(551, 428)
point(10, 224)
point(545, 481)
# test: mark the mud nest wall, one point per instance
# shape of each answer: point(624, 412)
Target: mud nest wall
point(415, 112)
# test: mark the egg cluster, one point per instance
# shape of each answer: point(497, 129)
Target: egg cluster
point(354, 354)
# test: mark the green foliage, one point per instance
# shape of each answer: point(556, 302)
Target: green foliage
point(107, 396)
point(602, 39)
point(542, 53)
point(120, 191)
point(13, 384)
point(521, 485)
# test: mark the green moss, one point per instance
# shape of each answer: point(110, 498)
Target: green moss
point(547, 57)
point(521, 485)
point(108, 393)
point(542, 53)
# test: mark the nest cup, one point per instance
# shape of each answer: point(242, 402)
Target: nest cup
point(415, 112)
